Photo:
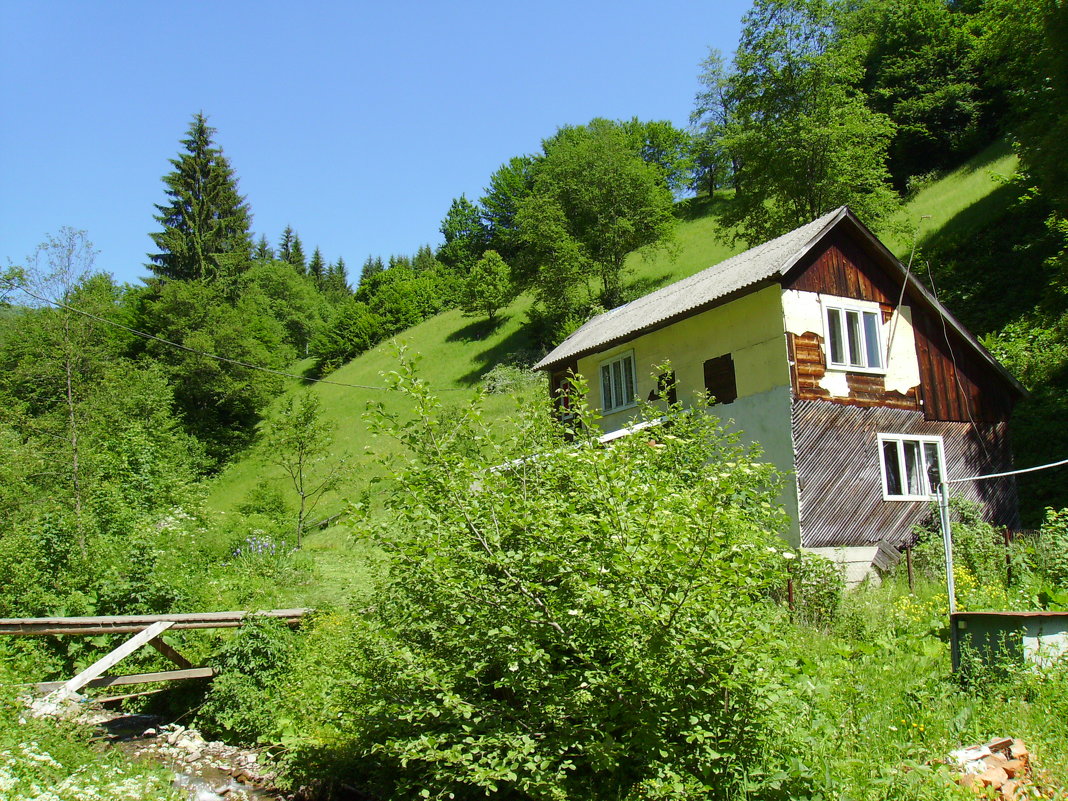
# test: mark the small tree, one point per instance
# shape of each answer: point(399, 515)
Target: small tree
point(298, 440)
point(488, 287)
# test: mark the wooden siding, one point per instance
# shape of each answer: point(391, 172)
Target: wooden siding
point(807, 369)
point(956, 384)
point(840, 484)
point(840, 266)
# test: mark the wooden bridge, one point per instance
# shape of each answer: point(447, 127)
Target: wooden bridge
point(147, 630)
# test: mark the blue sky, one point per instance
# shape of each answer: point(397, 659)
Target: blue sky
point(356, 123)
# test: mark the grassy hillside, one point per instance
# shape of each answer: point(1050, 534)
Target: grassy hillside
point(456, 352)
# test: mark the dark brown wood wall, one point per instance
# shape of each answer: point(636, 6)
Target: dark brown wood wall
point(840, 484)
point(956, 384)
point(559, 383)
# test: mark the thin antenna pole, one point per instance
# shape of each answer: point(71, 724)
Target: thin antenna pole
point(904, 284)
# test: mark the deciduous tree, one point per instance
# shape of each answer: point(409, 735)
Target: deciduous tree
point(487, 287)
point(804, 137)
point(298, 440)
point(610, 201)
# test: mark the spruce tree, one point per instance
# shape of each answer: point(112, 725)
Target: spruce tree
point(296, 256)
point(263, 251)
point(317, 268)
point(336, 282)
point(206, 220)
point(285, 245)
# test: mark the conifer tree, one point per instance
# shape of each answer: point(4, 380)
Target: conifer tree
point(296, 256)
point(285, 245)
point(336, 282)
point(263, 251)
point(206, 220)
point(317, 268)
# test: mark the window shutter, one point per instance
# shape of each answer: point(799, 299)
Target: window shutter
point(719, 379)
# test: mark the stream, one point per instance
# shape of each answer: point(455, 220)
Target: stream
point(206, 771)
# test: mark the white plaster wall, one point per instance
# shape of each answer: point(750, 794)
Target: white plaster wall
point(902, 363)
point(855, 562)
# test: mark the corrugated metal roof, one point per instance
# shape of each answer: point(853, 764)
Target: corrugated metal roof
point(765, 261)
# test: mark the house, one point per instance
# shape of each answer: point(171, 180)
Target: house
point(854, 379)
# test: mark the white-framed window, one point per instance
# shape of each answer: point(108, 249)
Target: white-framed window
point(911, 466)
point(618, 387)
point(854, 336)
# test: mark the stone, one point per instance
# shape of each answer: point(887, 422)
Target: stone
point(1015, 768)
point(1010, 791)
point(1018, 748)
point(993, 777)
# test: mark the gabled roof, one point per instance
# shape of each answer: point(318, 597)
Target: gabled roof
point(771, 259)
point(737, 276)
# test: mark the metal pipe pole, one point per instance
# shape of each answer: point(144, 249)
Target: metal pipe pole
point(947, 542)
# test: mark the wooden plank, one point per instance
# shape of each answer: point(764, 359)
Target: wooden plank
point(164, 648)
point(97, 668)
point(113, 698)
point(128, 624)
point(136, 678)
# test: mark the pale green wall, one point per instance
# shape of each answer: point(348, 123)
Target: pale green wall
point(750, 329)
point(764, 418)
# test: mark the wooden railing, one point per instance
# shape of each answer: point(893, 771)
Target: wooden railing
point(147, 630)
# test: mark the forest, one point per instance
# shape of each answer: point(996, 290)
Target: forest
point(251, 427)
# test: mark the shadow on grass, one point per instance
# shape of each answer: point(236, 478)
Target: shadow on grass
point(694, 208)
point(476, 331)
point(519, 341)
point(988, 260)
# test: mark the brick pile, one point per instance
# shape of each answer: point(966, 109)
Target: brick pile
point(1003, 765)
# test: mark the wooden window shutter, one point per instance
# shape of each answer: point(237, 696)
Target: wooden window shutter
point(665, 384)
point(719, 379)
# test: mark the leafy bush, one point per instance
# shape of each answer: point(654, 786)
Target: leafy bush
point(241, 703)
point(818, 588)
point(505, 379)
point(1052, 548)
point(976, 545)
point(576, 622)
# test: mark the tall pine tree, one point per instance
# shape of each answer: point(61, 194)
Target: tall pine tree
point(205, 221)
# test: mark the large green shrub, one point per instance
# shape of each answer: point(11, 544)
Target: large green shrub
point(578, 621)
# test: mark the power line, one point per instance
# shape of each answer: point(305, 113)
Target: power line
point(215, 356)
point(1009, 473)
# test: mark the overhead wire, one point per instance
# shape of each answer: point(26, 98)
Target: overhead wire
point(217, 357)
point(966, 400)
